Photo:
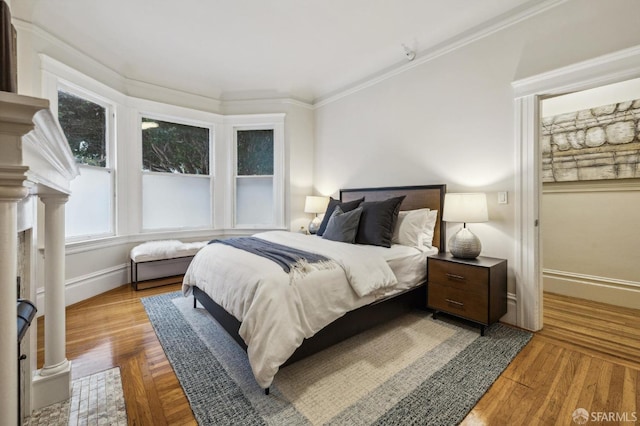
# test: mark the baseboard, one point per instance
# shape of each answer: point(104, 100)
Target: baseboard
point(601, 289)
point(512, 310)
point(86, 286)
point(90, 285)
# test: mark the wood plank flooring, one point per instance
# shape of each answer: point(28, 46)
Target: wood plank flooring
point(113, 330)
point(592, 326)
point(586, 357)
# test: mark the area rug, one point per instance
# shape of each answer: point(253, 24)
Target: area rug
point(96, 399)
point(411, 370)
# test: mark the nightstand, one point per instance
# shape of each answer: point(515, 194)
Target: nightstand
point(474, 289)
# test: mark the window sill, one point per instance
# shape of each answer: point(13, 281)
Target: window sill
point(73, 247)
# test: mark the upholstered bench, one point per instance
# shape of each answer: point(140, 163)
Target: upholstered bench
point(161, 259)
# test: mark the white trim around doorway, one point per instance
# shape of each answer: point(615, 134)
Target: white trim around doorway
point(607, 69)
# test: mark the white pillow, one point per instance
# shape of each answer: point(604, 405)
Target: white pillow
point(410, 227)
point(427, 232)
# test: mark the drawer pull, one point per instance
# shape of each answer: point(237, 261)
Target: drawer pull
point(453, 302)
point(455, 277)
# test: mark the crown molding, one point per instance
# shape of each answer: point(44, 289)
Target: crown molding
point(253, 119)
point(479, 32)
point(609, 68)
point(101, 92)
point(154, 92)
point(267, 101)
point(110, 77)
point(137, 88)
point(110, 73)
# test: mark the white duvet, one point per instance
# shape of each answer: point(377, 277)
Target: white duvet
point(277, 312)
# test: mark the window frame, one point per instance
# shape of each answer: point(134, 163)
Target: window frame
point(109, 105)
point(211, 127)
point(273, 122)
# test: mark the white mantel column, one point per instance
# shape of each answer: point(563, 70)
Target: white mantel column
point(11, 191)
point(32, 144)
point(16, 120)
point(53, 382)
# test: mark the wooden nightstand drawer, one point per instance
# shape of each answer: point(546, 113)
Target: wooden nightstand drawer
point(458, 301)
point(475, 289)
point(463, 277)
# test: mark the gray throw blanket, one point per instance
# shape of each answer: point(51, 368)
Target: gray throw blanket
point(289, 258)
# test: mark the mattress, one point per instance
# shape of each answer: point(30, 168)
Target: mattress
point(408, 264)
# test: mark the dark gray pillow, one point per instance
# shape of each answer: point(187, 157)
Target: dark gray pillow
point(347, 206)
point(343, 226)
point(377, 221)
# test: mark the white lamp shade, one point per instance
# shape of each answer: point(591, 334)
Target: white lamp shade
point(315, 204)
point(465, 207)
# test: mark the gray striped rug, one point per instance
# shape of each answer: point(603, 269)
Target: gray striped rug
point(413, 370)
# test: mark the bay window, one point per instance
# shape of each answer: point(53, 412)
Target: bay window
point(172, 177)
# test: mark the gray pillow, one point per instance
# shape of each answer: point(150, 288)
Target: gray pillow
point(377, 221)
point(346, 206)
point(343, 226)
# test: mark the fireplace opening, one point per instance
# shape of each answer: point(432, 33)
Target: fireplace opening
point(26, 313)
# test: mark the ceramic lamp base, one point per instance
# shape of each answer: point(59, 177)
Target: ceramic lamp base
point(465, 245)
point(314, 225)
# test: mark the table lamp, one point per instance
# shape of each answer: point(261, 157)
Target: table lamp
point(316, 205)
point(465, 208)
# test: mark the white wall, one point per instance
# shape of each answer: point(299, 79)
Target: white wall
point(450, 119)
point(590, 229)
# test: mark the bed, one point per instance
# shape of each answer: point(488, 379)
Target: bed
point(279, 318)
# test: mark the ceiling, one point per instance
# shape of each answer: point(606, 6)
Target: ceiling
point(251, 49)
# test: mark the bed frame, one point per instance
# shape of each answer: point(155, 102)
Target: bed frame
point(365, 317)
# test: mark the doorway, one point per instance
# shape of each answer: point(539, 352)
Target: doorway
point(607, 69)
point(591, 193)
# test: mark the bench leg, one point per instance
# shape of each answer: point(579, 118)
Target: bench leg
point(134, 277)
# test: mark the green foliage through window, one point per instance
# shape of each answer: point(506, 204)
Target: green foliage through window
point(174, 148)
point(85, 126)
point(255, 152)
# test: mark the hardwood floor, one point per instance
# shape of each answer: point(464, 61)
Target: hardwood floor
point(587, 357)
point(613, 334)
point(113, 330)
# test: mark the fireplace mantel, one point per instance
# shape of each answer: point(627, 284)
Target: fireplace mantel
point(42, 146)
point(35, 161)
point(46, 152)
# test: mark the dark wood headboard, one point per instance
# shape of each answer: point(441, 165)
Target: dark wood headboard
point(416, 197)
